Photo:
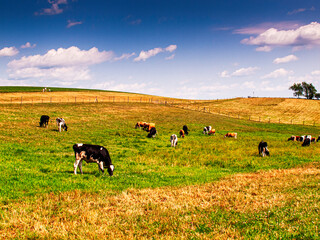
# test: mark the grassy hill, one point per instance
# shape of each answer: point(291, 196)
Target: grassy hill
point(208, 187)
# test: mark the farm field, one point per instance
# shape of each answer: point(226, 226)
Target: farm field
point(208, 187)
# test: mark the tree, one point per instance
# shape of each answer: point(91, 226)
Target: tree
point(317, 96)
point(297, 89)
point(305, 89)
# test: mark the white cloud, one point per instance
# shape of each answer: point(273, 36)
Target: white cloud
point(316, 72)
point(63, 73)
point(286, 59)
point(171, 48)
point(295, 11)
point(281, 72)
point(260, 28)
point(28, 45)
point(62, 57)
point(73, 23)
point(224, 74)
point(8, 52)
point(264, 49)
point(144, 55)
point(170, 57)
point(245, 71)
point(124, 56)
point(54, 9)
point(303, 36)
point(71, 64)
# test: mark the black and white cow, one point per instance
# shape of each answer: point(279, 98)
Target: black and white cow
point(207, 129)
point(152, 133)
point(92, 154)
point(185, 129)
point(61, 124)
point(306, 141)
point(174, 140)
point(44, 120)
point(263, 149)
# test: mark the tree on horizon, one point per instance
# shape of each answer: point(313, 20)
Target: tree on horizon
point(304, 89)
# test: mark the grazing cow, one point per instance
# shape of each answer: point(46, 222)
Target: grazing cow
point(174, 140)
point(318, 138)
point(185, 129)
point(234, 135)
point(294, 138)
point(313, 139)
point(92, 153)
point(44, 120)
point(62, 124)
point(306, 142)
point(152, 133)
point(150, 126)
point(212, 132)
point(263, 149)
point(207, 129)
point(181, 132)
point(140, 124)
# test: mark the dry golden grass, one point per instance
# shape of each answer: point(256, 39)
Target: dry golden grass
point(81, 96)
point(163, 213)
point(294, 111)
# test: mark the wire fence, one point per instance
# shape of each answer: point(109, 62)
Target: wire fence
point(192, 105)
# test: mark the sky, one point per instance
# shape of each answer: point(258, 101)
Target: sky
point(194, 49)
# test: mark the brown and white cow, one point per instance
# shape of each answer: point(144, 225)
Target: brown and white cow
point(212, 132)
point(181, 132)
point(232, 135)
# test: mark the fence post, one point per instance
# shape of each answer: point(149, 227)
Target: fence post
point(291, 121)
point(75, 99)
point(113, 98)
point(249, 118)
point(314, 123)
point(279, 120)
point(259, 119)
point(21, 100)
point(269, 120)
point(11, 100)
point(50, 99)
point(303, 122)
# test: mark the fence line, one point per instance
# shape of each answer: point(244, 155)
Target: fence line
point(153, 100)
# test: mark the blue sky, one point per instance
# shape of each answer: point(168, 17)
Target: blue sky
point(186, 49)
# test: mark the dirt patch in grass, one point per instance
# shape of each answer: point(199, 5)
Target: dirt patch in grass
point(163, 213)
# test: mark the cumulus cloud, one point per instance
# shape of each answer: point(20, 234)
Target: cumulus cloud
point(73, 23)
point(260, 28)
point(69, 64)
point(244, 71)
point(124, 56)
point(8, 52)
point(62, 57)
point(28, 45)
point(302, 36)
point(54, 9)
point(286, 59)
point(144, 55)
point(281, 72)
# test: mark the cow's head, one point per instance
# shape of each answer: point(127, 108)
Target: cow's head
point(65, 127)
point(110, 169)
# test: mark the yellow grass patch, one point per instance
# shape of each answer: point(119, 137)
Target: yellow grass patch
point(169, 212)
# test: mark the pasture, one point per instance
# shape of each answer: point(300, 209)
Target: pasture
point(207, 187)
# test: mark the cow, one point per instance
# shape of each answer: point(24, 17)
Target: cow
point(174, 140)
point(44, 120)
point(234, 135)
point(181, 132)
point(212, 132)
point(185, 129)
point(140, 124)
point(62, 124)
point(207, 129)
point(263, 149)
point(149, 126)
point(318, 138)
point(152, 133)
point(294, 138)
point(92, 154)
point(306, 141)
point(313, 139)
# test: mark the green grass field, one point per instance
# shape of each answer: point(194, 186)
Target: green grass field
point(36, 166)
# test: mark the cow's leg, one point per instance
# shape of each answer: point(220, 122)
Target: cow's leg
point(80, 166)
point(76, 163)
point(100, 164)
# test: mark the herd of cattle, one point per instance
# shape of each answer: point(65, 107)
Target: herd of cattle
point(100, 155)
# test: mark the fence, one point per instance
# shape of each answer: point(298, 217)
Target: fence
point(178, 103)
